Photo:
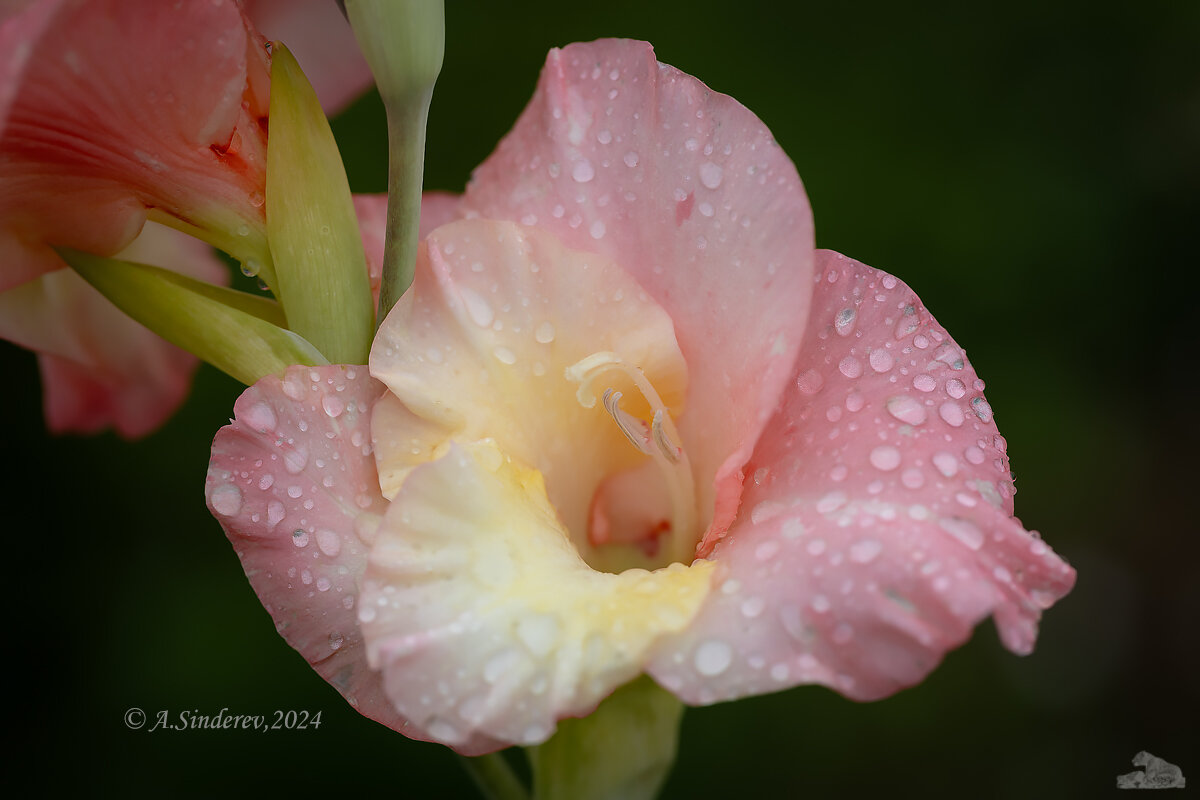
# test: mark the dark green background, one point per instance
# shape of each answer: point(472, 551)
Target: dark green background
point(1031, 169)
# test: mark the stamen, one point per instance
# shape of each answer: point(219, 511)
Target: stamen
point(665, 445)
point(656, 439)
point(627, 422)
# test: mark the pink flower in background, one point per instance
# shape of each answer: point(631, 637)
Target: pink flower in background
point(627, 420)
point(115, 112)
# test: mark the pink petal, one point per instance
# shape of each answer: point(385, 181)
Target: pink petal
point(437, 208)
point(122, 106)
point(99, 367)
point(687, 191)
point(321, 40)
point(876, 526)
point(292, 481)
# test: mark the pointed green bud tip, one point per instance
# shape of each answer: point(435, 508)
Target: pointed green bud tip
point(320, 268)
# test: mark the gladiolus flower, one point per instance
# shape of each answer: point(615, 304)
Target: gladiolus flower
point(627, 420)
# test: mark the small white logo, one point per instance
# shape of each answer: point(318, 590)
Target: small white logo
point(1156, 774)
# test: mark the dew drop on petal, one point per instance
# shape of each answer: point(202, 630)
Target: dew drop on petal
point(299, 538)
point(945, 463)
point(544, 333)
point(951, 413)
point(478, 309)
point(963, 530)
point(843, 321)
point(583, 171)
point(865, 551)
point(924, 383)
point(881, 360)
point(260, 417)
point(329, 543)
point(227, 500)
point(713, 657)
point(810, 382)
point(710, 175)
point(906, 409)
point(982, 409)
point(885, 458)
point(850, 366)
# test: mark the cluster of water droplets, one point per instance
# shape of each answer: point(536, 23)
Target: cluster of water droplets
point(883, 491)
point(296, 467)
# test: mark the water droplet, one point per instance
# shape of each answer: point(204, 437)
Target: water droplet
point(765, 510)
point(711, 174)
point(478, 309)
point(945, 463)
point(881, 360)
point(865, 551)
point(906, 409)
point(295, 460)
point(713, 657)
point(335, 641)
point(820, 603)
point(329, 543)
point(850, 366)
point(767, 550)
point(843, 321)
point(299, 538)
point(604, 136)
point(583, 171)
point(982, 409)
point(810, 382)
point(912, 478)
point(831, 502)
point(544, 333)
point(951, 413)
point(885, 458)
point(963, 530)
point(950, 355)
point(955, 388)
point(752, 607)
point(226, 500)
point(260, 417)
point(924, 383)
point(504, 355)
point(597, 230)
point(333, 405)
point(631, 159)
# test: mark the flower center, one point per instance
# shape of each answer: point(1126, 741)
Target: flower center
point(655, 437)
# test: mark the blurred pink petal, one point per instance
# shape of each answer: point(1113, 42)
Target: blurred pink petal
point(320, 38)
point(99, 367)
point(437, 208)
point(876, 528)
point(292, 480)
point(113, 109)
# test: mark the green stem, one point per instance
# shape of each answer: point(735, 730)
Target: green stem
point(494, 777)
point(406, 169)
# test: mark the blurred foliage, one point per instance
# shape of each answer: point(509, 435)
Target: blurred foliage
point(1031, 169)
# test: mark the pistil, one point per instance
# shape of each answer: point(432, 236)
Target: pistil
point(657, 438)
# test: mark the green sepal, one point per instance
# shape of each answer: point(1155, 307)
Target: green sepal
point(623, 750)
point(320, 269)
point(238, 333)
